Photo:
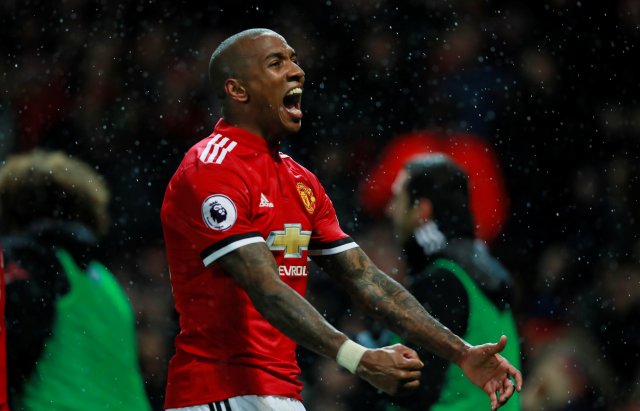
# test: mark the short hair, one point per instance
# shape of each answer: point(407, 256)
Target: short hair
point(223, 63)
point(52, 185)
point(437, 178)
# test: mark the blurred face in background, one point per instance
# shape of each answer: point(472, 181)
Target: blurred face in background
point(403, 213)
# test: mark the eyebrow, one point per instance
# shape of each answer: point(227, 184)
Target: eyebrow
point(281, 55)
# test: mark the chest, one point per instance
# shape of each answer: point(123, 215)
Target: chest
point(282, 199)
point(284, 207)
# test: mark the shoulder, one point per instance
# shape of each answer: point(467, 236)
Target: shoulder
point(483, 269)
point(300, 172)
point(22, 247)
point(30, 261)
point(212, 152)
point(437, 280)
point(216, 158)
point(215, 149)
point(293, 164)
point(437, 272)
point(216, 170)
point(473, 265)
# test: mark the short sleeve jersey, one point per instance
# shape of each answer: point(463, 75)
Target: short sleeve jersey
point(228, 192)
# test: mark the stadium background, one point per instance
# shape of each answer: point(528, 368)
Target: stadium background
point(551, 87)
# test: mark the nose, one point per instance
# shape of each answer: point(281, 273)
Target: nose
point(295, 73)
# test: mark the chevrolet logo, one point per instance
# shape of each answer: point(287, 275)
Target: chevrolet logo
point(292, 240)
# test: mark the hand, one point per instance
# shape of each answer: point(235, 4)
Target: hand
point(490, 371)
point(394, 369)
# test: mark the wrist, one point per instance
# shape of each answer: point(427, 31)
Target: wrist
point(350, 354)
point(460, 353)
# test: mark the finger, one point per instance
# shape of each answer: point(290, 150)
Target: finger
point(507, 392)
point(411, 364)
point(494, 400)
point(408, 387)
point(411, 385)
point(518, 377)
point(410, 375)
point(500, 391)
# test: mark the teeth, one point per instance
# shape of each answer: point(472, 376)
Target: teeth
point(296, 90)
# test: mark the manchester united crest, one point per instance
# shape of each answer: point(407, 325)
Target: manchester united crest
point(308, 199)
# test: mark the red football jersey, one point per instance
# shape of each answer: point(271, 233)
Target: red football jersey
point(228, 192)
point(3, 342)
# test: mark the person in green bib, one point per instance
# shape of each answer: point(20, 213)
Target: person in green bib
point(71, 342)
point(453, 274)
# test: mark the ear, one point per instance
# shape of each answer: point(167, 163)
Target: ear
point(425, 210)
point(235, 90)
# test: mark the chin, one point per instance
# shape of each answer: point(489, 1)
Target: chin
point(294, 127)
point(290, 126)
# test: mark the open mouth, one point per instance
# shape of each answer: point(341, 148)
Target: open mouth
point(291, 103)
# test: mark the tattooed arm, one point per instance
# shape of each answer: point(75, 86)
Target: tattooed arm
point(390, 303)
point(395, 307)
point(394, 370)
point(255, 269)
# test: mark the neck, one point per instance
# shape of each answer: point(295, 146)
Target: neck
point(273, 140)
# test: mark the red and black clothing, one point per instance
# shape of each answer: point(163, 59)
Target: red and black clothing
point(230, 191)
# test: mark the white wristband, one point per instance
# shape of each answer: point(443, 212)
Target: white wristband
point(349, 355)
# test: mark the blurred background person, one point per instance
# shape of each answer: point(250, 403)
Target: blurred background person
point(453, 274)
point(568, 374)
point(71, 340)
point(4, 406)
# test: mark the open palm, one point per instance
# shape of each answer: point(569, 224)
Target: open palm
point(487, 369)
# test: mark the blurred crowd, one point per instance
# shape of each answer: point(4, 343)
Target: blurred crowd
point(549, 86)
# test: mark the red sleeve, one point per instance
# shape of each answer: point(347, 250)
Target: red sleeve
point(211, 207)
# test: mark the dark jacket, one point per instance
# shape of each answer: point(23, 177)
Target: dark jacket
point(35, 279)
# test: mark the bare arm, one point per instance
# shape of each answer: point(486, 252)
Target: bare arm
point(394, 370)
point(394, 306)
point(390, 303)
point(255, 270)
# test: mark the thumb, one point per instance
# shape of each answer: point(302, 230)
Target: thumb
point(411, 357)
point(408, 353)
point(499, 346)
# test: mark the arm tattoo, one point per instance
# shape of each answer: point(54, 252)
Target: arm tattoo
point(255, 270)
point(390, 303)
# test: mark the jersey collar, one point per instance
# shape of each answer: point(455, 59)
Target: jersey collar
point(244, 137)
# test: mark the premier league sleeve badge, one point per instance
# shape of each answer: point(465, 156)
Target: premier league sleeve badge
point(219, 212)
